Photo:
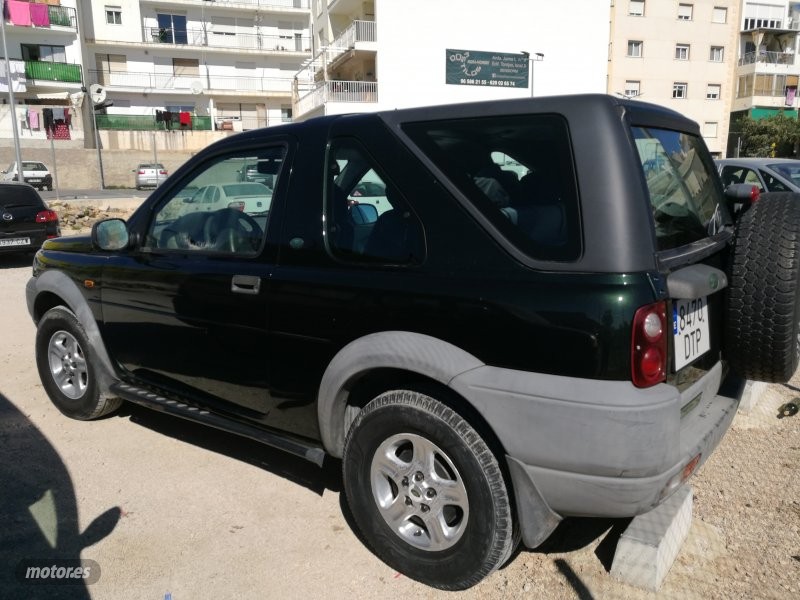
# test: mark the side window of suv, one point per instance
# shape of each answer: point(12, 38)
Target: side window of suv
point(773, 184)
point(367, 220)
point(214, 211)
point(517, 170)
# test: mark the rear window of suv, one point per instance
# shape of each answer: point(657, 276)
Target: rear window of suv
point(517, 170)
point(687, 205)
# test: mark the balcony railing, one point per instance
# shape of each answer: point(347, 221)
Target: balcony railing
point(338, 91)
point(63, 16)
point(357, 31)
point(775, 58)
point(52, 71)
point(168, 81)
point(256, 3)
point(146, 123)
point(217, 39)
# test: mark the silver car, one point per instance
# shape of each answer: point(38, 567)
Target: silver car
point(150, 175)
point(768, 174)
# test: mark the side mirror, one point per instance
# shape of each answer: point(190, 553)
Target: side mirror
point(363, 214)
point(110, 234)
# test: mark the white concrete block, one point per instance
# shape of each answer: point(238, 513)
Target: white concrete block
point(752, 393)
point(650, 544)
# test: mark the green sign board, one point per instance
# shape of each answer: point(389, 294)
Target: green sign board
point(496, 69)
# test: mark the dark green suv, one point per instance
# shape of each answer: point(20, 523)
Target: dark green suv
point(533, 323)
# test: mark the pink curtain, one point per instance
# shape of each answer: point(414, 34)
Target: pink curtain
point(19, 12)
point(40, 15)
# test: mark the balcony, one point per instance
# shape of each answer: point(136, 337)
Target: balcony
point(41, 16)
point(38, 70)
point(772, 58)
point(338, 91)
point(146, 123)
point(240, 85)
point(216, 39)
point(246, 4)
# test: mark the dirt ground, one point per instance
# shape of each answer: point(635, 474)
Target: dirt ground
point(169, 507)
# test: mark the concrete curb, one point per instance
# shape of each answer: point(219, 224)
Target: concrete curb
point(650, 544)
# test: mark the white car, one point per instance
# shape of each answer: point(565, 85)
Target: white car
point(250, 197)
point(33, 172)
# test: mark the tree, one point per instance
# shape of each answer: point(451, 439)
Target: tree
point(777, 135)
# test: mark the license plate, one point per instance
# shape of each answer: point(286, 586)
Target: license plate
point(690, 330)
point(34, 179)
point(16, 242)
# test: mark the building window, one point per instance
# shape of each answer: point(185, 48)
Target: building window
point(710, 129)
point(682, 52)
point(632, 89)
point(713, 91)
point(679, 90)
point(717, 54)
point(720, 15)
point(44, 53)
point(685, 12)
point(635, 48)
point(764, 16)
point(286, 113)
point(114, 15)
point(636, 8)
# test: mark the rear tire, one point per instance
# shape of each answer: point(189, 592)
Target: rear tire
point(65, 360)
point(426, 491)
point(762, 338)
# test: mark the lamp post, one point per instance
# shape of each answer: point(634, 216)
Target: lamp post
point(13, 106)
point(532, 58)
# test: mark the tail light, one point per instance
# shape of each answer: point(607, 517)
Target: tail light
point(162, 172)
point(236, 206)
point(755, 194)
point(649, 345)
point(46, 216)
point(141, 172)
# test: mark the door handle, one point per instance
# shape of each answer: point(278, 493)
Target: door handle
point(246, 284)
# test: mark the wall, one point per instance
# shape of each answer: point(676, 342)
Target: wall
point(78, 168)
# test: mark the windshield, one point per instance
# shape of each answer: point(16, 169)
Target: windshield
point(686, 204)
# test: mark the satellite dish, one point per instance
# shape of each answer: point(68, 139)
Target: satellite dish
point(97, 93)
point(197, 87)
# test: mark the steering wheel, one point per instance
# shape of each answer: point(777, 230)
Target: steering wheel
point(231, 230)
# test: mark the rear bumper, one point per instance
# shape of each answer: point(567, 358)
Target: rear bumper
point(598, 448)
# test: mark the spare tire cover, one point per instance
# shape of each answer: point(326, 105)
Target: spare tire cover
point(762, 330)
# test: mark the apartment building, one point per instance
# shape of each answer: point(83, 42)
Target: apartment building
point(46, 74)
point(767, 69)
point(384, 54)
point(200, 64)
point(678, 54)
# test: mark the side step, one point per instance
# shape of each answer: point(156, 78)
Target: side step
point(190, 412)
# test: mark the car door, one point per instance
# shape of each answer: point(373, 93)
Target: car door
point(186, 311)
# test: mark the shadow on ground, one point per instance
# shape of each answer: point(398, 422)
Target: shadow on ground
point(39, 515)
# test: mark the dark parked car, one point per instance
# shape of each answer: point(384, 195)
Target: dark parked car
point(493, 351)
point(25, 220)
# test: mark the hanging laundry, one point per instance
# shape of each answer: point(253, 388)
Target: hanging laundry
point(185, 119)
point(18, 12)
point(58, 113)
point(167, 115)
point(49, 123)
point(33, 119)
point(40, 15)
point(68, 118)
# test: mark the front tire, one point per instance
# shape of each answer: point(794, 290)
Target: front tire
point(65, 360)
point(426, 491)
